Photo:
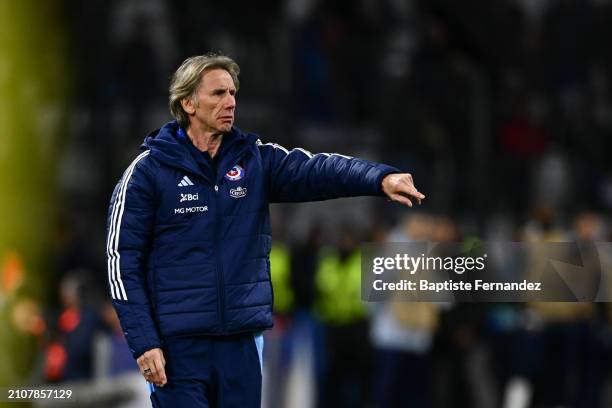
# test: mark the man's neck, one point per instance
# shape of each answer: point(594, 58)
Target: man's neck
point(205, 140)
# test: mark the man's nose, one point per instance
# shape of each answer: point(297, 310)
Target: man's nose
point(230, 102)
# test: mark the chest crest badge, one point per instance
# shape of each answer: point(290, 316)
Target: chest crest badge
point(236, 173)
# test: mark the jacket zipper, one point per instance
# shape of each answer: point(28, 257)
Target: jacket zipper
point(220, 276)
point(220, 172)
point(220, 280)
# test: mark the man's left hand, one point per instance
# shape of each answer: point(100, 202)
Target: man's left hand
point(400, 187)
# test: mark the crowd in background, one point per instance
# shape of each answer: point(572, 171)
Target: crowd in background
point(329, 348)
point(501, 110)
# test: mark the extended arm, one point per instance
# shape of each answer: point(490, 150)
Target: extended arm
point(299, 175)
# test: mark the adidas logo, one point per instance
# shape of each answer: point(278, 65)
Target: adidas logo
point(185, 182)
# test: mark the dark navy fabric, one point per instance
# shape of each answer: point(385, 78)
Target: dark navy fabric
point(189, 238)
point(223, 372)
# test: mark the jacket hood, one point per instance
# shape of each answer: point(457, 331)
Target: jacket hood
point(166, 147)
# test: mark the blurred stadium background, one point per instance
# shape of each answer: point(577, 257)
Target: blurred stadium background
point(502, 110)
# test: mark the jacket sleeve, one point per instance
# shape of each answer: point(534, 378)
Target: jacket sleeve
point(299, 175)
point(129, 234)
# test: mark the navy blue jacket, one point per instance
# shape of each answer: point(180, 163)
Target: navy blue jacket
point(189, 239)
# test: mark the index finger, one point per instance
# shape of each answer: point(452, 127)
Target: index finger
point(408, 187)
point(412, 191)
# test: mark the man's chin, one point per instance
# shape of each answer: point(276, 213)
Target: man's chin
point(226, 127)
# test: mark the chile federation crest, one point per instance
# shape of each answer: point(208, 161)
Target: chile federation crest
point(236, 173)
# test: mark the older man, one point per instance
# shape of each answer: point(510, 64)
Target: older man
point(189, 238)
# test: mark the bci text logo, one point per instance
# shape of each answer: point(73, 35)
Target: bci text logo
point(189, 197)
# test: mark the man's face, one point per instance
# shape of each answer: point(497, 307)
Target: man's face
point(215, 102)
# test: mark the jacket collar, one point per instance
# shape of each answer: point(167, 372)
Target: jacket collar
point(165, 146)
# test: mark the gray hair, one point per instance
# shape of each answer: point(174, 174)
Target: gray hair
point(187, 79)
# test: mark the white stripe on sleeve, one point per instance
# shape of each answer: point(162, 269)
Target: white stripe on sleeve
point(306, 152)
point(299, 149)
point(112, 244)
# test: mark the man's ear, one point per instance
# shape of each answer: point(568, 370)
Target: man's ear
point(188, 105)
